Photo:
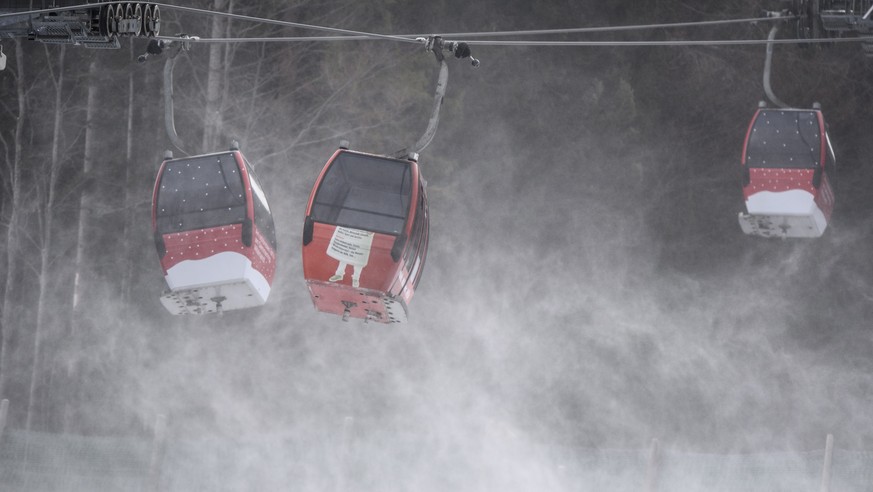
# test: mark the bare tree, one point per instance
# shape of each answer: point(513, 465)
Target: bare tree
point(14, 178)
point(216, 77)
point(88, 198)
point(46, 194)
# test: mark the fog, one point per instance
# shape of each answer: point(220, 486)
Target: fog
point(587, 289)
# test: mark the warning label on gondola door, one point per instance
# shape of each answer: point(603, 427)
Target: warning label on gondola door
point(350, 246)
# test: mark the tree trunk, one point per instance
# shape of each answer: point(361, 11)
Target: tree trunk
point(12, 239)
point(48, 203)
point(129, 199)
point(212, 118)
point(87, 200)
point(83, 276)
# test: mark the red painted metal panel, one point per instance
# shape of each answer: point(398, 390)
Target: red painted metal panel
point(203, 243)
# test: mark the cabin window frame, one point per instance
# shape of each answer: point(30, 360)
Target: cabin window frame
point(781, 159)
point(419, 236)
point(341, 191)
point(189, 217)
point(263, 215)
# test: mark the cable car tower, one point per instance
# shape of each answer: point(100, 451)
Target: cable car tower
point(366, 228)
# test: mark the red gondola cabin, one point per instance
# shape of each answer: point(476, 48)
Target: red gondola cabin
point(788, 165)
point(365, 236)
point(214, 234)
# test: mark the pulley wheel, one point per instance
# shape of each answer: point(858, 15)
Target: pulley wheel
point(137, 14)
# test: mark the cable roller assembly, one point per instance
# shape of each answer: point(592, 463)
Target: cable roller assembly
point(437, 45)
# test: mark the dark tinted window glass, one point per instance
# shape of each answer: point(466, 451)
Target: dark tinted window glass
point(200, 192)
point(830, 163)
point(785, 139)
point(417, 229)
point(420, 233)
point(365, 192)
point(263, 217)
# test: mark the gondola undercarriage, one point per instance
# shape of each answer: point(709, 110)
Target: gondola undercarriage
point(783, 226)
point(212, 299)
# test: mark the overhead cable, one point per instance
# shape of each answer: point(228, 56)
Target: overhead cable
point(536, 32)
point(56, 9)
point(262, 20)
point(351, 35)
point(285, 23)
point(586, 30)
point(697, 42)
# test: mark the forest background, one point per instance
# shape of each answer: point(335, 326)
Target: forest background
point(587, 282)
